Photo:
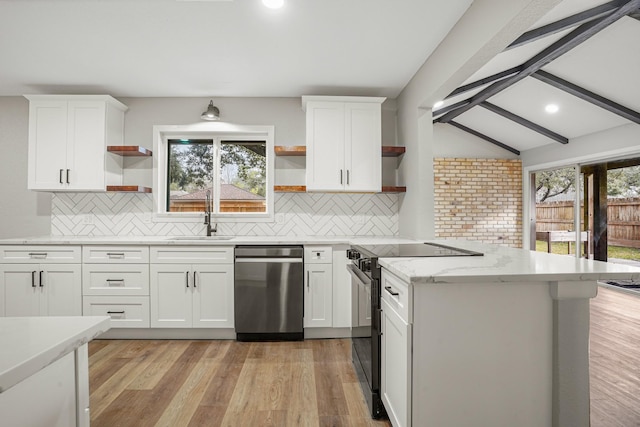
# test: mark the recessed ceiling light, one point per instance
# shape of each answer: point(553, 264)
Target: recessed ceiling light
point(273, 4)
point(551, 108)
point(438, 104)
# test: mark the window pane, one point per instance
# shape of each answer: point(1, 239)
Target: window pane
point(243, 176)
point(190, 174)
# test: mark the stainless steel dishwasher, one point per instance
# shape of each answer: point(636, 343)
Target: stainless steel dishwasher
point(269, 292)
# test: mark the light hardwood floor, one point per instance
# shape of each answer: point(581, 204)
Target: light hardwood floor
point(224, 383)
point(615, 359)
point(311, 383)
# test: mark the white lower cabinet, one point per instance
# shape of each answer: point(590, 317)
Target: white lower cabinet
point(125, 311)
point(396, 349)
point(41, 289)
point(396, 366)
point(318, 289)
point(192, 295)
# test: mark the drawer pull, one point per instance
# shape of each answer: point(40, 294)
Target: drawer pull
point(115, 312)
point(115, 281)
point(390, 290)
point(38, 254)
point(115, 254)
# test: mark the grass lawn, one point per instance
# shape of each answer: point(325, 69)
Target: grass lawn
point(613, 251)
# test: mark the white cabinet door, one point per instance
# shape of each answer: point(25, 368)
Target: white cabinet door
point(363, 155)
point(318, 311)
point(47, 145)
point(325, 146)
point(86, 148)
point(396, 367)
point(212, 296)
point(22, 293)
point(62, 286)
point(171, 295)
point(42, 290)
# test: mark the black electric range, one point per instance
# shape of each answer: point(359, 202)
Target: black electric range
point(365, 282)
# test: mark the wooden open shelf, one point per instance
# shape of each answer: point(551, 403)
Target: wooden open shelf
point(129, 188)
point(293, 150)
point(129, 150)
point(290, 188)
point(390, 189)
point(301, 150)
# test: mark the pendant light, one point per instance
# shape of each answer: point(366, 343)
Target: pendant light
point(212, 113)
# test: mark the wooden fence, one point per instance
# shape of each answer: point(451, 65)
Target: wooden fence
point(623, 218)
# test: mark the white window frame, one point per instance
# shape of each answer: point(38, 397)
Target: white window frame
point(215, 131)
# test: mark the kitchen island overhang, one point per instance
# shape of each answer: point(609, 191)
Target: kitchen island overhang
point(501, 339)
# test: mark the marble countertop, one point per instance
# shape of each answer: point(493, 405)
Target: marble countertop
point(29, 344)
point(503, 264)
point(184, 240)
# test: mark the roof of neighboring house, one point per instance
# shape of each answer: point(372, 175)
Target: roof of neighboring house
point(227, 192)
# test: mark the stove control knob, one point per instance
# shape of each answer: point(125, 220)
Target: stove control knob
point(353, 254)
point(365, 264)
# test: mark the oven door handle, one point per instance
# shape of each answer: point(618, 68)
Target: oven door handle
point(358, 275)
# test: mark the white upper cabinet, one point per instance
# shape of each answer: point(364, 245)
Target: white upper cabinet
point(68, 138)
point(344, 140)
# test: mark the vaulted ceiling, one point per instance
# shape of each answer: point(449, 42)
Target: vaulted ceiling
point(582, 56)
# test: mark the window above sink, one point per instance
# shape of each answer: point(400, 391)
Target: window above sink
point(234, 164)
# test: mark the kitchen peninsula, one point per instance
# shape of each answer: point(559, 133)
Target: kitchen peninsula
point(44, 369)
point(497, 340)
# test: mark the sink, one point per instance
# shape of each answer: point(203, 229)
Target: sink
point(201, 238)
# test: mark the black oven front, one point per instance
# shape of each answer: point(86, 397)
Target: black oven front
point(365, 352)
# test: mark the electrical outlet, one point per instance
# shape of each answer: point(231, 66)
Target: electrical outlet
point(279, 218)
point(87, 219)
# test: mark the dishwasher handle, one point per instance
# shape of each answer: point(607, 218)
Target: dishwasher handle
point(271, 260)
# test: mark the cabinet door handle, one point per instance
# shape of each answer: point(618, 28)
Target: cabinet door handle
point(61, 176)
point(41, 281)
point(187, 279)
point(33, 279)
point(390, 290)
point(340, 176)
point(307, 279)
point(194, 279)
point(68, 177)
point(347, 176)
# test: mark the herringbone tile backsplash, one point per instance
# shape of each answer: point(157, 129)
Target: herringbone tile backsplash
point(308, 214)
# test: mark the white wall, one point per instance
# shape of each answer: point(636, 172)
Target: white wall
point(484, 30)
point(22, 212)
point(622, 141)
point(450, 142)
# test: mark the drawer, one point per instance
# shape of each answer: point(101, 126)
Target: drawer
point(115, 254)
point(125, 312)
point(192, 255)
point(397, 294)
point(18, 254)
point(115, 279)
point(318, 255)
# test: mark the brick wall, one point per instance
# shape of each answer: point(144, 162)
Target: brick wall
point(479, 199)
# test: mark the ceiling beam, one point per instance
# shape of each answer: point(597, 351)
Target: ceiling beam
point(483, 136)
point(566, 23)
point(485, 81)
point(524, 122)
point(560, 47)
point(450, 107)
point(587, 95)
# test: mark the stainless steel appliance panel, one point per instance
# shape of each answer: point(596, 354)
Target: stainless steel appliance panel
point(269, 286)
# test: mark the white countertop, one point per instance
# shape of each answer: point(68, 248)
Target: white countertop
point(28, 344)
point(503, 264)
point(236, 240)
